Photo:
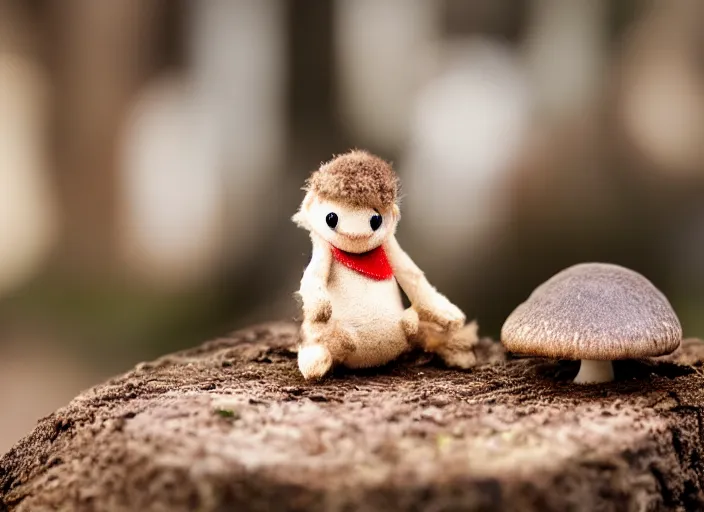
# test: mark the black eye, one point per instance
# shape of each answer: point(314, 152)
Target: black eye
point(331, 220)
point(375, 221)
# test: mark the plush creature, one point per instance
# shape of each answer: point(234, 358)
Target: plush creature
point(353, 313)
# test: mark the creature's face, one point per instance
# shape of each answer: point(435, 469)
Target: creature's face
point(349, 228)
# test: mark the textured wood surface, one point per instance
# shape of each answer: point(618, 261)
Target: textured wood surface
point(231, 425)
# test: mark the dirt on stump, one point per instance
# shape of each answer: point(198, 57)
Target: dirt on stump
point(232, 426)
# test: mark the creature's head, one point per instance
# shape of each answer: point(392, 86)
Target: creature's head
point(351, 202)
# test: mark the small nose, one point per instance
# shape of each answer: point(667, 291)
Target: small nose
point(356, 226)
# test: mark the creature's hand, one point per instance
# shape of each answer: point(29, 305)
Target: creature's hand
point(318, 308)
point(439, 310)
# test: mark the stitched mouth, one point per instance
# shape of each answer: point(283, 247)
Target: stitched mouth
point(354, 237)
point(352, 253)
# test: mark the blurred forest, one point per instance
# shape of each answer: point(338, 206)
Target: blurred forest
point(153, 151)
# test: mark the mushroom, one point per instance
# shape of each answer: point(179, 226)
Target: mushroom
point(597, 313)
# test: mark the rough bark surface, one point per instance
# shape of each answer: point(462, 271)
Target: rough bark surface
point(231, 425)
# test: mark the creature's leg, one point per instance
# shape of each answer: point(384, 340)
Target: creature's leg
point(456, 347)
point(409, 323)
point(340, 342)
point(323, 345)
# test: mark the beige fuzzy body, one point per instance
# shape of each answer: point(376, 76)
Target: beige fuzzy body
point(353, 320)
point(371, 311)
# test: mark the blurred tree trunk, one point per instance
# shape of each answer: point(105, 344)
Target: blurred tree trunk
point(98, 53)
point(502, 19)
point(312, 99)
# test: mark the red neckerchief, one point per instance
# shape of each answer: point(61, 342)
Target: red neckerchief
point(373, 264)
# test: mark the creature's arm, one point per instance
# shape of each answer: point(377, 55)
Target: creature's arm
point(430, 304)
point(313, 291)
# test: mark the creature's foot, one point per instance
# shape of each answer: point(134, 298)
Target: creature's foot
point(324, 345)
point(314, 361)
point(458, 349)
point(430, 336)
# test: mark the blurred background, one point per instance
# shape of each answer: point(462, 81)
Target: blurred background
point(153, 151)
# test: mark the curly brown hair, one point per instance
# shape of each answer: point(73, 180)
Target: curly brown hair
point(357, 178)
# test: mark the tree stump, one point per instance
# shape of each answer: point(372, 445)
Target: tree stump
point(231, 425)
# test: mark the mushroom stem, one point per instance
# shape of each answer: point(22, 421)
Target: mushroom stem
point(594, 372)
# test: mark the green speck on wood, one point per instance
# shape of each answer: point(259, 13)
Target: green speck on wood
point(227, 413)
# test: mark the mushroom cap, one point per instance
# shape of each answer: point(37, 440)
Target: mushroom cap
point(596, 311)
